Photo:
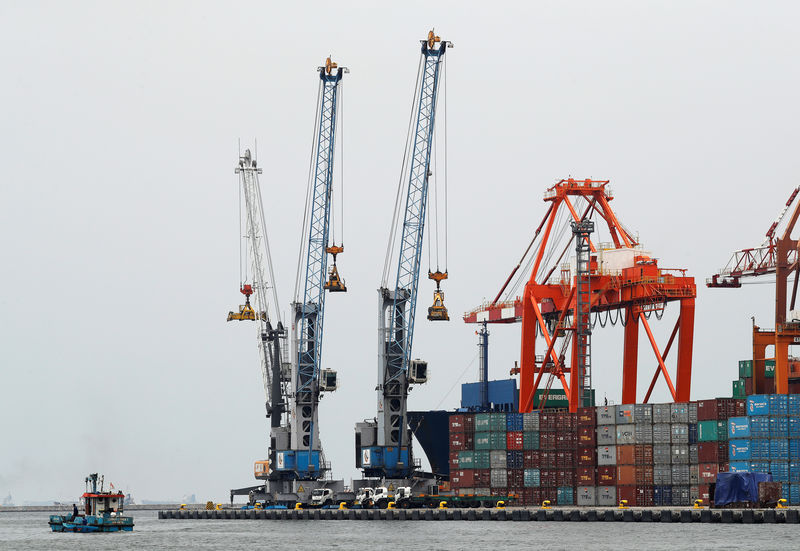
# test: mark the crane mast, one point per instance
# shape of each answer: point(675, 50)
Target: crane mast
point(383, 446)
point(304, 456)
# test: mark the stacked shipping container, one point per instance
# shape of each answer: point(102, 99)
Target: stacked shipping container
point(648, 455)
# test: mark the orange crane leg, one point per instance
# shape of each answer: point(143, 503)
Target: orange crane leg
point(630, 357)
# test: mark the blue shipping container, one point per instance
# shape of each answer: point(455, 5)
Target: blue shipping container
point(785, 490)
point(793, 405)
point(739, 450)
point(779, 470)
point(778, 427)
point(794, 494)
point(513, 421)
point(514, 459)
point(662, 495)
point(779, 449)
point(759, 449)
point(794, 425)
point(739, 427)
point(739, 466)
point(794, 449)
point(794, 472)
point(693, 433)
point(759, 467)
point(758, 404)
point(759, 426)
point(778, 404)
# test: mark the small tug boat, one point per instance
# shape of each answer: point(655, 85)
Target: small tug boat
point(102, 512)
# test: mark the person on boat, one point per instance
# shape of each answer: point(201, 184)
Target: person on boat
point(74, 510)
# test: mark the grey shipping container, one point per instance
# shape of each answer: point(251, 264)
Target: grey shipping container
point(680, 474)
point(693, 412)
point(626, 434)
point(680, 453)
point(625, 414)
point(662, 475)
point(586, 496)
point(606, 415)
point(483, 491)
point(497, 459)
point(607, 496)
point(643, 413)
point(606, 435)
point(680, 413)
point(662, 433)
point(694, 473)
point(530, 421)
point(662, 413)
point(662, 454)
point(693, 456)
point(606, 455)
point(680, 433)
point(644, 433)
point(498, 478)
point(681, 495)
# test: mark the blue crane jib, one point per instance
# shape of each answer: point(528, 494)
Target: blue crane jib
point(383, 446)
point(303, 457)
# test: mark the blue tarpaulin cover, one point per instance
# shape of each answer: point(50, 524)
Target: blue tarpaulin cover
point(735, 487)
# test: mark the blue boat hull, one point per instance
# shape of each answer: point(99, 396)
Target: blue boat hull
point(90, 523)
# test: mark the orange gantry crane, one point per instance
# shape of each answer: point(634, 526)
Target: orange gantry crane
point(778, 255)
point(611, 282)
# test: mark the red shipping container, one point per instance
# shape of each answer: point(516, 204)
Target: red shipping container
point(566, 441)
point(516, 479)
point(547, 422)
point(457, 424)
point(549, 477)
point(453, 461)
point(644, 475)
point(584, 476)
point(463, 478)
point(626, 454)
point(644, 496)
point(587, 417)
point(708, 472)
point(586, 457)
point(712, 452)
point(794, 387)
point(740, 409)
point(607, 475)
point(627, 493)
point(748, 386)
point(469, 423)
point(526, 496)
point(530, 459)
point(462, 441)
point(565, 459)
point(547, 440)
point(514, 440)
point(626, 475)
point(547, 460)
point(565, 477)
point(482, 478)
point(710, 410)
point(536, 496)
point(550, 494)
point(724, 467)
point(644, 454)
point(565, 421)
point(703, 493)
point(587, 436)
point(499, 491)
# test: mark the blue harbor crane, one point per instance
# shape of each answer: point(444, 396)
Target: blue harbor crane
point(383, 445)
point(297, 470)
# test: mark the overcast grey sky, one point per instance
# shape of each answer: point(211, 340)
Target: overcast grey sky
point(118, 202)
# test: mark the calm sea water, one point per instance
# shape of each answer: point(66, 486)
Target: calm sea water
point(30, 531)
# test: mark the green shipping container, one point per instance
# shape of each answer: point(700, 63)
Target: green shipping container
point(531, 478)
point(556, 398)
point(566, 495)
point(482, 441)
point(712, 431)
point(738, 389)
point(497, 422)
point(466, 460)
point(530, 440)
point(497, 440)
point(482, 422)
point(745, 368)
point(769, 369)
point(482, 459)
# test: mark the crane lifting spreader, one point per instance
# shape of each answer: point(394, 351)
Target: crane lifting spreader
point(246, 312)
